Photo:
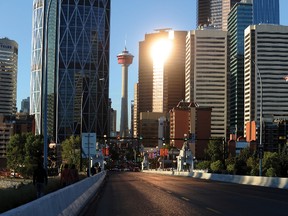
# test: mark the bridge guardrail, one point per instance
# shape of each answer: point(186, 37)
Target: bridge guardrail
point(274, 182)
point(66, 201)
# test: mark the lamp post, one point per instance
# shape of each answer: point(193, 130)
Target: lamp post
point(45, 129)
point(261, 120)
point(261, 115)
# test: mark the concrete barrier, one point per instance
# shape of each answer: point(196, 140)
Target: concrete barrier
point(66, 201)
point(274, 182)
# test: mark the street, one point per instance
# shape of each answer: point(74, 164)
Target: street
point(136, 193)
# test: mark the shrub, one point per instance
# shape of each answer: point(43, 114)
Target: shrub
point(216, 166)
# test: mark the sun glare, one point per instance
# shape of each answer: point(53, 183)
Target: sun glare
point(161, 50)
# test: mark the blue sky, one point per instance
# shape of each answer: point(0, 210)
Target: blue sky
point(130, 21)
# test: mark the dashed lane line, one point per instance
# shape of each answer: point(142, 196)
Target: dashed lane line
point(184, 198)
point(213, 210)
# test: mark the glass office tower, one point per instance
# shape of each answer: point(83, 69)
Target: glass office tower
point(239, 19)
point(266, 11)
point(70, 67)
point(214, 12)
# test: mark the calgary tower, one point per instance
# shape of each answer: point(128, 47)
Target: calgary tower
point(125, 59)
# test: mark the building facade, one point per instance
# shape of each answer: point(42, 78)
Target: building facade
point(161, 72)
point(266, 11)
point(214, 12)
point(206, 76)
point(8, 76)
point(190, 122)
point(266, 63)
point(70, 66)
point(25, 105)
point(239, 19)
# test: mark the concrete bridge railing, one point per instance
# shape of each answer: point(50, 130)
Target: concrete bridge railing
point(66, 201)
point(274, 182)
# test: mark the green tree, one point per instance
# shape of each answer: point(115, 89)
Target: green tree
point(71, 150)
point(33, 152)
point(253, 165)
point(15, 152)
point(23, 152)
point(271, 160)
point(283, 162)
point(241, 167)
point(215, 149)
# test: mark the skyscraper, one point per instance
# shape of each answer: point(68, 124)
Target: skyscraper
point(70, 65)
point(161, 72)
point(25, 105)
point(266, 11)
point(8, 76)
point(214, 12)
point(266, 65)
point(206, 78)
point(239, 19)
point(203, 12)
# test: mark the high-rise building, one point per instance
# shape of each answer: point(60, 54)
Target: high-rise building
point(25, 105)
point(239, 19)
point(214, 12)
point(203, 12)
point(70, 66)
point(8, 76)
point(266, 63)
point(266, 11)
point(206, 78)
point(161, 71)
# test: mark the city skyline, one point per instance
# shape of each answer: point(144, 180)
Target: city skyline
point(18, 26)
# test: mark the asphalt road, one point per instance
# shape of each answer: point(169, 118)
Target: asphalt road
point(136, 193)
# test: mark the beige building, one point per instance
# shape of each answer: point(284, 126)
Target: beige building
point(8, 76)
point(206, 76)
point(266, 63)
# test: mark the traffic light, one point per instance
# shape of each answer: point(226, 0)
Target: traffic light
point(261, 152)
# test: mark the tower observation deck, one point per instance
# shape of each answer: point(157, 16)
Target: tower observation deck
point(125, 59)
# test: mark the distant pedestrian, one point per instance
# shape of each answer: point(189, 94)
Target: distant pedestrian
point(65, 176)
point(74, 174)
point(92, 171)
point(40, 179)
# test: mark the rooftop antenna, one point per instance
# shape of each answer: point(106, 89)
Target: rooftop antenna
point(125, 41)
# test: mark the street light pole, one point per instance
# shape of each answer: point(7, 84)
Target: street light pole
point(45, 120)
point(261, 120)
point(261, 115)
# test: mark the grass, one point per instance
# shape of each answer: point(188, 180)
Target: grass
point(13, 197)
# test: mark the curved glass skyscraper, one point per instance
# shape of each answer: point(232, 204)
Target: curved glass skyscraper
point(70, 67)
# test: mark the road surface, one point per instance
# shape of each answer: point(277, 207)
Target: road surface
point(136, 193)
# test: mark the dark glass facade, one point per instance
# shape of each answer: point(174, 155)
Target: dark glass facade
point(266, 11)
point(75, 67)
point(239, 19)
